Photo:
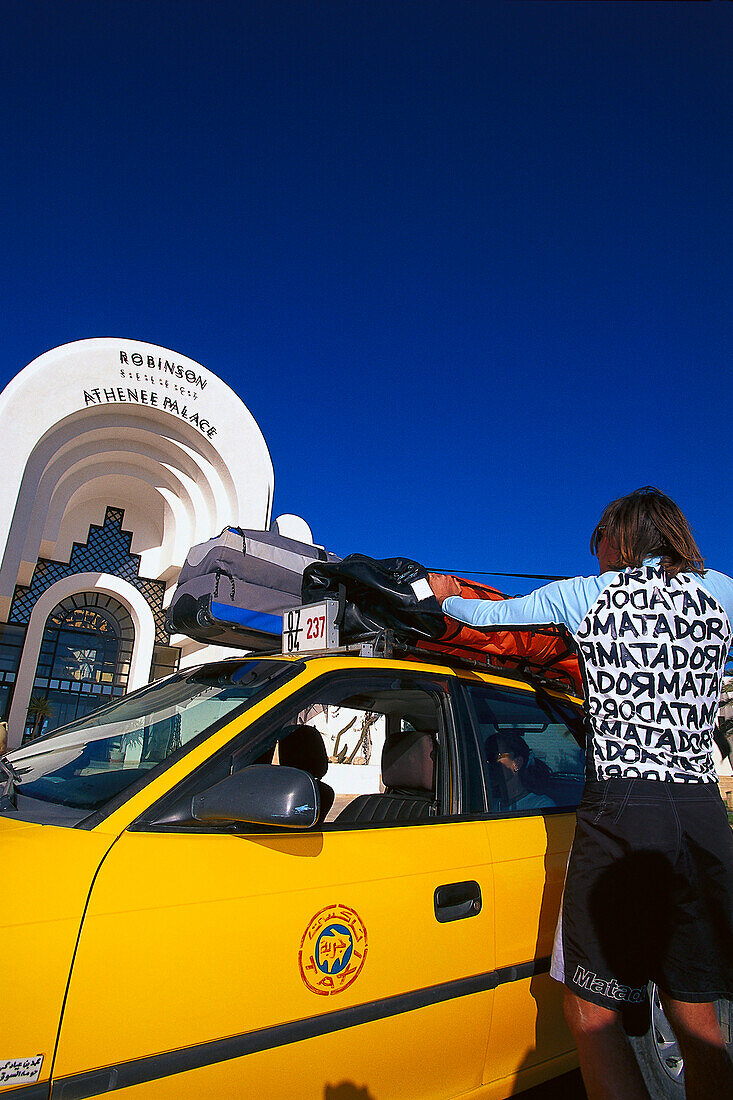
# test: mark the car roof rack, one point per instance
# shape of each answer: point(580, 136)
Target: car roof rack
point(384, 643)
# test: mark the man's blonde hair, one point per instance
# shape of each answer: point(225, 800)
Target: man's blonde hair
point(647, 524)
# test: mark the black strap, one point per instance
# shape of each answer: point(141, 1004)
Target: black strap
point(218, 573)
point(489, 573)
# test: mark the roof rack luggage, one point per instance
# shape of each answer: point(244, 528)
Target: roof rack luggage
point(259, 591)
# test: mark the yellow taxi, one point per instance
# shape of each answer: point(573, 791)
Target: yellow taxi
point(332, 877)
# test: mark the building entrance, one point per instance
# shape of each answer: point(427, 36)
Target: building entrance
point(84, 661)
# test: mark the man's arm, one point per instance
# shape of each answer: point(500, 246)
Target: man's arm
point(564, 603)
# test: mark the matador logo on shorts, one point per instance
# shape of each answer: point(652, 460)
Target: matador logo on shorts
point(333, 950)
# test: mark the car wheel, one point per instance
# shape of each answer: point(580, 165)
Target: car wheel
point(658, 1052)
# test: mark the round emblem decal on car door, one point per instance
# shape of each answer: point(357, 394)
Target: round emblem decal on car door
point(333, 950)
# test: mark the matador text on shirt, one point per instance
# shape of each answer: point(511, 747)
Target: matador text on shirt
point(652, 650)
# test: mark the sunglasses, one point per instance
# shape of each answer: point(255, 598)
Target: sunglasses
point(597, 536)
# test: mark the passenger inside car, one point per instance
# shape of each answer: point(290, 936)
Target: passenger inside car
point(541, 746)
point(518, 779)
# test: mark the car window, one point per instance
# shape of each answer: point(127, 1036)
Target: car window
point(95, 759)
point(530, 748)
point(377, 749)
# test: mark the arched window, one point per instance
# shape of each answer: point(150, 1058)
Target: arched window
point(84, 660)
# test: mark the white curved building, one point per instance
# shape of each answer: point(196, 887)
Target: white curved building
point(118, 456)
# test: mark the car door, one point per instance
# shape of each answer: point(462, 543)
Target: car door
point(240, 962)
point(521, 729)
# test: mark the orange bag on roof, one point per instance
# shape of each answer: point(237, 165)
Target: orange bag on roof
point(545, 649)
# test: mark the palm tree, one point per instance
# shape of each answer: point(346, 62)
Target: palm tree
point(39, 709)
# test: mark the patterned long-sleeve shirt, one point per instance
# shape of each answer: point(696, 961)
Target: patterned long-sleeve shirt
point(652, 650)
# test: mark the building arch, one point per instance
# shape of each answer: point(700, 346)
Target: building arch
point(89, 470)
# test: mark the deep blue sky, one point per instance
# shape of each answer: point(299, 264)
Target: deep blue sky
point(468, 264)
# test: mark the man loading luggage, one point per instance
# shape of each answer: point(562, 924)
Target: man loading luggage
point(649, 887)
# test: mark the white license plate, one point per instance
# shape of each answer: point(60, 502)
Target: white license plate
point(311, 627)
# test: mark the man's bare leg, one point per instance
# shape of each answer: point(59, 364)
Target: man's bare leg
point(708, 1068)
point(607, 1062)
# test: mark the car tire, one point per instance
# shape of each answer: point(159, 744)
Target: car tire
point(658, 1052)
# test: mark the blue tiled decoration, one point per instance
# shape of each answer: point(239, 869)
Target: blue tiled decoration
point(107, 550)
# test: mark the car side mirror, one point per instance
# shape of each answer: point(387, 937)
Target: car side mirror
point(261, 794)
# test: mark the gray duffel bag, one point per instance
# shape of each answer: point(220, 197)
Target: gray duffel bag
point(233, 589)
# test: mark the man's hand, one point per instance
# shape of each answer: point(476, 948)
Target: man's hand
point(443, 586)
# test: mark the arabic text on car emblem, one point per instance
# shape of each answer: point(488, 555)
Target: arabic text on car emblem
point(333, 950)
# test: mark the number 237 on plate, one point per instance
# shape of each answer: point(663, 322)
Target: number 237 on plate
point(310, 627)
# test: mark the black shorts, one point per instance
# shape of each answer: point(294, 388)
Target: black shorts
point(648, 894)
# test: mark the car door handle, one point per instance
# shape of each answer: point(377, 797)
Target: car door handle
point(457, 900)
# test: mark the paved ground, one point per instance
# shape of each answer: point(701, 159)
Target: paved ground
point(568, 1087)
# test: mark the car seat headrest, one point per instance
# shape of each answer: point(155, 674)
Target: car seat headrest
point(408, 761)
point(302, 747)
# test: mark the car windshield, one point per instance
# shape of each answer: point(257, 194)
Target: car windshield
point(90, 761)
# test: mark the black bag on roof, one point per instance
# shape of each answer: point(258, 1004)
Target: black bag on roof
point(233, 589)
point(376, 594)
